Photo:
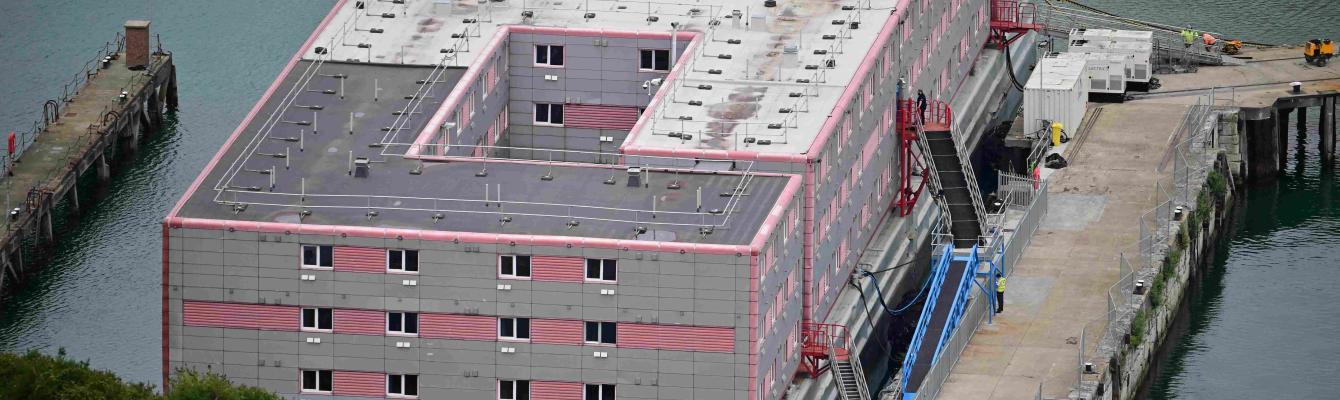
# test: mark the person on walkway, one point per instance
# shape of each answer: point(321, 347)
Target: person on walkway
point(1000, 293)
point(1209, 41)
point(921, 105)
point(1189, 36)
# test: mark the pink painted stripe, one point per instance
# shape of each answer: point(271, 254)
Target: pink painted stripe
point(599, 117)
point(446, 236)
point(355, 383)
point(359, 322)
point(550, 390)
point(558, 269)
point(476, 68)
point(677, 337)
point(858, 78)
point(557, 331)
point(360, 259)
point(292, 61)
point(464, 327)
point(243, 316)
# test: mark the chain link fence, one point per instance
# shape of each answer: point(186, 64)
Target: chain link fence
point(1191, 157)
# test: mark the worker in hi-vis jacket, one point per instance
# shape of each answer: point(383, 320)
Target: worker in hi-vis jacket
point(1000, 293)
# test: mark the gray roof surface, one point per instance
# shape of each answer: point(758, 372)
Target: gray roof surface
point(453, 189)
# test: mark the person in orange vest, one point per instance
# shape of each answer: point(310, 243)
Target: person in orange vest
point(1209, 41)
point(1000, 293)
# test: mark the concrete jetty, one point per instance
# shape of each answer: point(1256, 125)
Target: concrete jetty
point(114, 101)
point(1066, 331)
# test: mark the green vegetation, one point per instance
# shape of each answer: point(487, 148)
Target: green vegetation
point(38, 376)
point(1138, 328)
point(1214, 190)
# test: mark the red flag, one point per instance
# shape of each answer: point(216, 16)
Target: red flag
point(11, 143)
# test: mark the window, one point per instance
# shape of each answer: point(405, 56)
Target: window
point(549, 55)
point(655, 60)
point(316, 380)
point(405, 323)
point(402, 385)
point(402, 260)
point(316, 319)
point(514, 328)
point(600, 332)
point(513, 390)
point(599, 392)
point(600, 269)
point(546, 113)
point(317, 256)
point(514, 266)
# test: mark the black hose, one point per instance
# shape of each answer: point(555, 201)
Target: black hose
point(874, 330)
point(903, 308)
point(1009, 65)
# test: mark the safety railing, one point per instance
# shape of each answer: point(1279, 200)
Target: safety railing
point(1014, 242)
point(51, 109)
point(946, 255)
point(1191, 156)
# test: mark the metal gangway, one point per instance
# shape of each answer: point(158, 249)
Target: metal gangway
point(954, 275)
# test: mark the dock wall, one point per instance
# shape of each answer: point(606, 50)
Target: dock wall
point(1173, 250)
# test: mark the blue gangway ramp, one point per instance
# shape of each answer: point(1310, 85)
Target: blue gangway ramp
point(950, 288)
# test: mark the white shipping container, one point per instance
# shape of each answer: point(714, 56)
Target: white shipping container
point(1140, 54)
point(1111, 35)
point(1105, 73)
point(1057, 92)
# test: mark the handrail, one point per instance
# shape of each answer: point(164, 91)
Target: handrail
point(923, 323)
point(961, 297)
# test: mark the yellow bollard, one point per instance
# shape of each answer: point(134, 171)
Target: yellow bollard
point(1056, 133)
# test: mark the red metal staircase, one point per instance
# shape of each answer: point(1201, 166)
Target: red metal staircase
point(1010, 20)
point(827, 348)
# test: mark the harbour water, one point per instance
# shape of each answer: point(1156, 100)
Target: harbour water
point(99, 297)
point(1259, 326)
point(1261, 322)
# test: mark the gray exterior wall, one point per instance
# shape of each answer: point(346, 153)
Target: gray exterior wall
point(922, 18)
point(263, 268)
point(488, 103)
point(592, 74)
point(778, 345)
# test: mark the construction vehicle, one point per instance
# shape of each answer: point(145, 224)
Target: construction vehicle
point(1318, 51)
point(1232, 47)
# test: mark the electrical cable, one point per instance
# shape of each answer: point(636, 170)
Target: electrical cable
point(1009, 65)
point(880, 271)
point(901, 309)
point(869, 319)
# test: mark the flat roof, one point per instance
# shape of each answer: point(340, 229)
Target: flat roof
point(756, 81)
point(1056, 74)
point(295, 155)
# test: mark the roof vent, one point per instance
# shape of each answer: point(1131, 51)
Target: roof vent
point(634, 176)
point(361, 167)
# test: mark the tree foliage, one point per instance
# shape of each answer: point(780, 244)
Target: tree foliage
point(38, 376)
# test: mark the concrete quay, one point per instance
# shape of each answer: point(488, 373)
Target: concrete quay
point(1058, 295)
point(119, 97)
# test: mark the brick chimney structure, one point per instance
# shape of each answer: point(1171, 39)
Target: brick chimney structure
point(137, 44)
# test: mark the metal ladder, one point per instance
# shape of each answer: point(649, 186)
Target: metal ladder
point(941, 110)
point(827, 347)
point(850, 380)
